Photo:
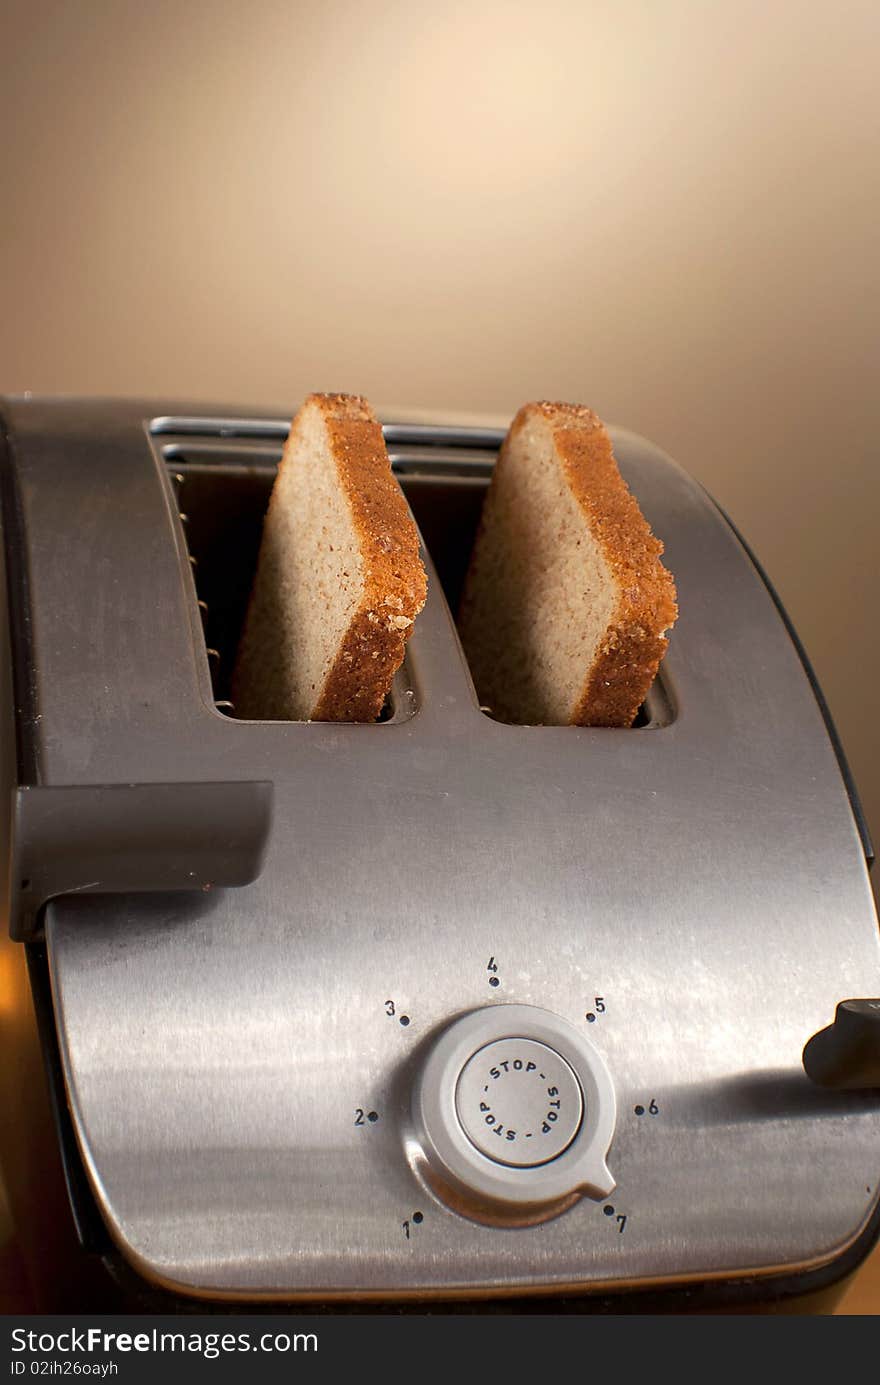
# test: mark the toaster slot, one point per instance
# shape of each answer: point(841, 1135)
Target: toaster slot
point(221, 501)
point(446, 503)
point(223, 471)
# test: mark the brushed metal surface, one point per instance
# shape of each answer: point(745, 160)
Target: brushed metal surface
point(239, 1067)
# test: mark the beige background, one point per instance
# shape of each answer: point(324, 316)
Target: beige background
point(666, 209)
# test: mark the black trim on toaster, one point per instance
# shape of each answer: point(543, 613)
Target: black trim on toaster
point(87, 1220)
point(843, 764)
point(18, 612)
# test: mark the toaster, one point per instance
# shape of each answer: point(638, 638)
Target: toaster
point(435, 1013)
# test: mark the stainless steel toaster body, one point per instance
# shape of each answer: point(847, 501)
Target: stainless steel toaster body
point(239, 1058)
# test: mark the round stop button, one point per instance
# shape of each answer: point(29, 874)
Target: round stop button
point(519, 1102)
point(513, 1112)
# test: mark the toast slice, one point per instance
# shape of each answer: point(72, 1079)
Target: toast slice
point(339, 580)
point(566, 603)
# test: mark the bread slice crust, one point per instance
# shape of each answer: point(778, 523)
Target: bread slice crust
point(393, 580)
point(633, 642)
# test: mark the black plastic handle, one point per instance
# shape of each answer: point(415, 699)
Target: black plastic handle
point(846, 1055)
point(115, 838)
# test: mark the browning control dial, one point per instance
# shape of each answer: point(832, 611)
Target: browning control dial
point(515, 1110)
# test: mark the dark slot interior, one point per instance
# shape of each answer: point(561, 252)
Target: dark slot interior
point(447, 513)
point(223, 503)
point(223, 511)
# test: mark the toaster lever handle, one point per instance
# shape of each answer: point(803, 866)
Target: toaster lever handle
point(116, 838)
point(846, 1055)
